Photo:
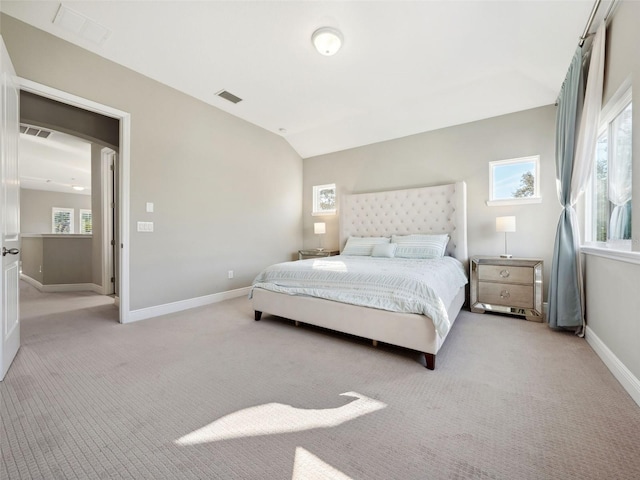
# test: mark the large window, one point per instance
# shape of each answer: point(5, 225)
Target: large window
point(609, 207)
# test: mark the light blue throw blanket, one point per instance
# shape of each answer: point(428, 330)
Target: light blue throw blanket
point(403, 285)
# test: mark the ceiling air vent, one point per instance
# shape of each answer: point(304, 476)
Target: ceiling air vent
point(34, 131)
point(81, 25)
point(228, 96)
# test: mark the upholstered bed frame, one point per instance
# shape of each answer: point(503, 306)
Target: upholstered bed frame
point(426, 210)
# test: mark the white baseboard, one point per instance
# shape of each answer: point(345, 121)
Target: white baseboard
point(149, 312)
point(627, 379)
point(62, 287)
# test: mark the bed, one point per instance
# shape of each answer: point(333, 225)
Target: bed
point(435, 210)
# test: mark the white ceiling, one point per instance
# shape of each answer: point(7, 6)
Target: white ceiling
point(405, 67)
point(56, 163)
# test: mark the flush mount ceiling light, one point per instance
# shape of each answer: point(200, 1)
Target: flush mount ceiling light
point(327, 40)
point(78, 188)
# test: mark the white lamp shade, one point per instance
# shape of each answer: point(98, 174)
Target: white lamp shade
point(319, 228)
point(505, 224)
point(327, 40)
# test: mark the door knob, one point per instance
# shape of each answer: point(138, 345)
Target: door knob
point(11, 251)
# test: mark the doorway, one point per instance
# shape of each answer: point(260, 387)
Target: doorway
point(66, 212)
point(121, 180)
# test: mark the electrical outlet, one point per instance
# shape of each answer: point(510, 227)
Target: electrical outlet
point(230, 274)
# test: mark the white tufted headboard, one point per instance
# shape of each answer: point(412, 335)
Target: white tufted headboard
point(427, 210)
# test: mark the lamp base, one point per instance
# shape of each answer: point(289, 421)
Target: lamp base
point(506, 255)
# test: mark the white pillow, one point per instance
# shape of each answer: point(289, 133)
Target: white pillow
point(420, 246)
point(363, 245)
point(387, 250)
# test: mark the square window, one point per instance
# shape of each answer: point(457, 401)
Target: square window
point(324, 199)
point(514, 181)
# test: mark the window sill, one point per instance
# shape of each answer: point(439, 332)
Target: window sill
point(514, 201)
point(626, 256)
point(323, 214)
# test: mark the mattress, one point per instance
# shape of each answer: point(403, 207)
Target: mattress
point(400, 285)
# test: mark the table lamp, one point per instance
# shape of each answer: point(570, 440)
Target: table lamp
point(320, 228)
point(505, 224)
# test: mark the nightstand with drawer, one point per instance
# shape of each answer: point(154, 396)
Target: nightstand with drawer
point(315, 253)
point(507, 285)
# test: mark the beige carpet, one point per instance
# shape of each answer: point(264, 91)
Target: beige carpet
point(211, 394)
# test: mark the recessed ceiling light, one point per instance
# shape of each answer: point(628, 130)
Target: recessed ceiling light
point(78, 188)
point(327, 40)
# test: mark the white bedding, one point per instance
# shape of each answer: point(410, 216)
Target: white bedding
point(403, 285)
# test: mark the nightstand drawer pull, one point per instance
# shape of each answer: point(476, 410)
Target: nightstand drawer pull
point(509, 295)
point(505, 274)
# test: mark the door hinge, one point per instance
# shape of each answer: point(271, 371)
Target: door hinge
point(113, 243)
point(111, 167)
point(113, 280)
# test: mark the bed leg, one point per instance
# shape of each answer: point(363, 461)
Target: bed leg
point(375, 343)
point(431, 360)
point(257, 315)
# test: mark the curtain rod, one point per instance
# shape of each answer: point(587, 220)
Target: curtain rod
point(585, 34)
point(592, 16)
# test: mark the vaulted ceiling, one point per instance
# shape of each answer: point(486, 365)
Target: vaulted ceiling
point(405, 66)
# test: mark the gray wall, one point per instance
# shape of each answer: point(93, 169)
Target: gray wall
point(57, 259)
point(31, 257)
point(613, 304)
point(227, 194)
point(448, 155)
point(611, 285)
point(36, 205)
point(66, 260)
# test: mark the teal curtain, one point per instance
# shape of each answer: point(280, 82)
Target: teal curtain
point(565, 294)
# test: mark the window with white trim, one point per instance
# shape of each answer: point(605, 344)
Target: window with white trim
point(86, 222)
point(608, 213)
point(514, 181)
point(62, 220)
point(324, 199)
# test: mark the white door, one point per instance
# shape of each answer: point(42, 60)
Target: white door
point(9, 212)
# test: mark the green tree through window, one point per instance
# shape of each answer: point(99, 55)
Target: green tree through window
point(526, 188)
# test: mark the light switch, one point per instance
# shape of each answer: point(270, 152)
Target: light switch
point(145, 226)
point(149, 207)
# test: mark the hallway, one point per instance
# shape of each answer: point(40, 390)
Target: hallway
point(61, 312)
